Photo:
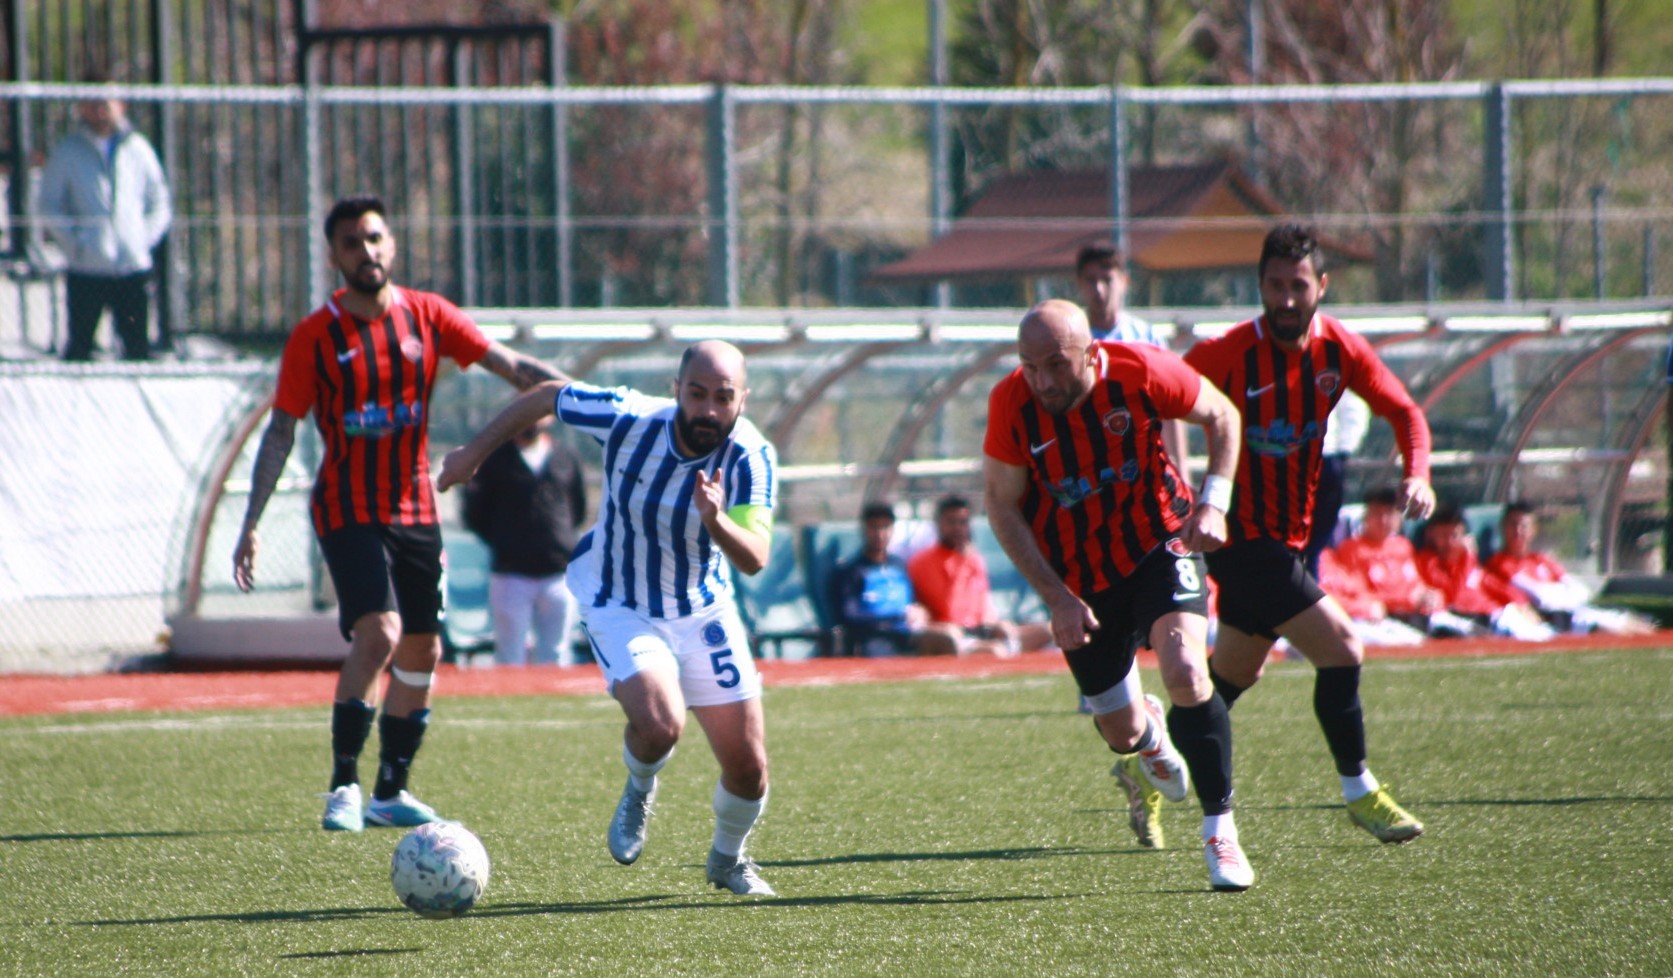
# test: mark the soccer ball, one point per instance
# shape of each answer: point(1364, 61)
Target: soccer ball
point(439, 870)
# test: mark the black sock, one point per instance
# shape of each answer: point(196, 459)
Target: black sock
point(351, 724)
point(1203, 736)
point(400, 737)
point(1228, 690)
point(1336, 704)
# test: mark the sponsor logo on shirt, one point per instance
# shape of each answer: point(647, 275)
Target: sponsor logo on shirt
point(1071, 491)
point(376, 421)
point(1279, 437)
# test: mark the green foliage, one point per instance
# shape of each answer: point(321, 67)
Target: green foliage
point(932, 828)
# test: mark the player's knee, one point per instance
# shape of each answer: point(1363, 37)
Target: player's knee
point(658, 732)
point(746, 777)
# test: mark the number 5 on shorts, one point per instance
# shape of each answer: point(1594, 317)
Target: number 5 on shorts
point(726, 674)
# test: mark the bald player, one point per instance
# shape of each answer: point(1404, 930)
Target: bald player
point(1099, 519)
point(688, 483)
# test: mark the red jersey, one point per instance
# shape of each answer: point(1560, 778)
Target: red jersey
point(1103, 492)
point(1387, 571)
point(952, 585)
point(1463, 583)
point(368, 385)
point(1286, 398)
point(1532, 566)
point(1349, 588)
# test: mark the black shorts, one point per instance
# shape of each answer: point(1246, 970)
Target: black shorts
point(1169, 579)
point(384, 568)
point(1262, 585)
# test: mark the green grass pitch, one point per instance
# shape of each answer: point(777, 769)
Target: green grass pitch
point(915, 829)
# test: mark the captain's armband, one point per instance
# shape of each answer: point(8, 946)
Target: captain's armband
point(757, 519)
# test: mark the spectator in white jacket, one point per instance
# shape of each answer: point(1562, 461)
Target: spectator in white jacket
point(105, 201)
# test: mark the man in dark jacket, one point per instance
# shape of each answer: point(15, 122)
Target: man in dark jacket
point(525, 503)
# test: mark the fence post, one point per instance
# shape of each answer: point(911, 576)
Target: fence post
point(1600, 261)
point(1498, 251)
point(557, 72)
point(464, 173)
point(170, 288)
point(940, 147)
point(1119, 234)
point(17, 188)
point(723, 200)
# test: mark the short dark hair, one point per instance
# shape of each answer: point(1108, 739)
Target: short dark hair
point(1446, 514)
point(1106, 255)
point(1519, 507)
point(1382, 496)
point(951, 502)
point(1291, 242)
point(352, 209)
point(877, 511)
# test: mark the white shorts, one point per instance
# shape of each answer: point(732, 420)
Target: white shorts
point(709, 649)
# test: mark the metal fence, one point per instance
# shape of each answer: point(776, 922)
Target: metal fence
point(542, 195)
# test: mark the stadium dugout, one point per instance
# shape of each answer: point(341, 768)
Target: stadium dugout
point(127, 535)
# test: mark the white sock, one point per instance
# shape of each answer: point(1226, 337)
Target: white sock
point(1359, 785)
point(1220, 826)
point(734, 817)
point(643, 773)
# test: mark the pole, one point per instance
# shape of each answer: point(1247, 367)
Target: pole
point(940, 164)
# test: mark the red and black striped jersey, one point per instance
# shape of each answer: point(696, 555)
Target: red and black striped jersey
point(1285, 397)
point(1102, 491)
point(368, 385)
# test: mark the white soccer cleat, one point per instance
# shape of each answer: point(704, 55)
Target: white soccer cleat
point(343, 810)
point(629, 825)
point(1162, 765)
point(738, 874)
point(1228, 869)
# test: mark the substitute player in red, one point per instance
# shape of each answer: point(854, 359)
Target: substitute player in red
point(1098, 518)
point(365, 364)
point(1285, 371)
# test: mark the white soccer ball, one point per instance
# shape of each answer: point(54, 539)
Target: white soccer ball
point(439, 870)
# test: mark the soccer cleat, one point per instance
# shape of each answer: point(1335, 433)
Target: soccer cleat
point(343, 811)
point(1144, 803)
point(1378, 814)
point(1162, 765)
point(402, 811)
point(1228, 869)
point(628, 826)
point(738, 874)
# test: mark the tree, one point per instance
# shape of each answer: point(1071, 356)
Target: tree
point(1378, 161)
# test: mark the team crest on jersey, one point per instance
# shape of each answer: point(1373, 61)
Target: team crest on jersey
point(1177, 547)
point(1118, 421)
point(1327, 381)
point(412, 349)
point(714, 634)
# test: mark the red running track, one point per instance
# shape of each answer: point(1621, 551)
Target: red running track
point(111, 692)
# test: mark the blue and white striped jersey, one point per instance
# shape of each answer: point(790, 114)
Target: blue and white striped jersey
point(649, 549)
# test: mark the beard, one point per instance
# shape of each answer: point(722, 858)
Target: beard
point(1289, 325)
point(700, 435)
point(368, 279)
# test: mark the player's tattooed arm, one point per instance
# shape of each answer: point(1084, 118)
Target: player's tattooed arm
point(276, 443)
point(522, 372)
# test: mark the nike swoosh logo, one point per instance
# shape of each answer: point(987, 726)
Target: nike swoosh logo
point(1034, 449)
point(350, 355)
point(1186, 595)
point(1258, 391)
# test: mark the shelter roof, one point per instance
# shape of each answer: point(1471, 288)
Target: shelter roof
point(1191, 217)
